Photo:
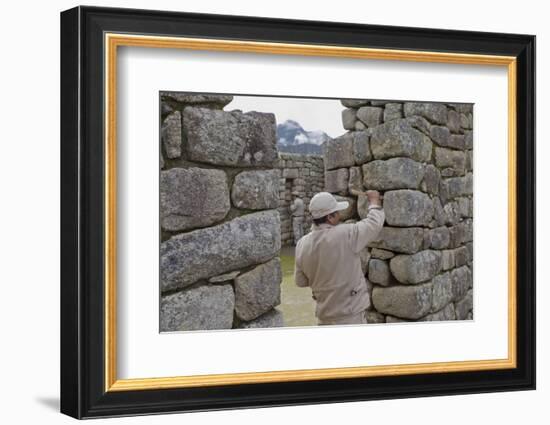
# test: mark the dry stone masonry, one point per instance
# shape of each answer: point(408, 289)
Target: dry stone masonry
point(419, 156)
point(225, 193)
point(220, 224)
point(299, 173)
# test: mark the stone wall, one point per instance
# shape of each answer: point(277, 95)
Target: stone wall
point(220, 227)
point(305, 175)
point(419, 156)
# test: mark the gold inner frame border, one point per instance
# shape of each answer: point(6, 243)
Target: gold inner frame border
point(113, 40)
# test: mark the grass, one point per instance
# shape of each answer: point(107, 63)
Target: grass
point(297, 305)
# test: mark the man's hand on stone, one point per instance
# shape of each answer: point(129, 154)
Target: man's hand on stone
point(374, 197)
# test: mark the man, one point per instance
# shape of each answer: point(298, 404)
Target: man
point(327, 259)
point(297, 212)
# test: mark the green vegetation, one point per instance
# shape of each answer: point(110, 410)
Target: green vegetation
point(297, 306)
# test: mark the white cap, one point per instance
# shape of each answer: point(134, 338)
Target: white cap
point(324, 203)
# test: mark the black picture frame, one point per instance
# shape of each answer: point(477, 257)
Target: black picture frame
point(82, 187)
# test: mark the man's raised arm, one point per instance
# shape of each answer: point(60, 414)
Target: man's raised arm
point(367, 230)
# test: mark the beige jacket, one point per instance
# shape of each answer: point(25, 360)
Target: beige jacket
point(327, 259)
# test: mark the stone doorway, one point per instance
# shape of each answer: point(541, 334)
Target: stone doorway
point(301, 173)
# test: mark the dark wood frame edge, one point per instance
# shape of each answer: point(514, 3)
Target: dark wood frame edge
point(82, 202)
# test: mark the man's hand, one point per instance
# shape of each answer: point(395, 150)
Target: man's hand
point(374, 198)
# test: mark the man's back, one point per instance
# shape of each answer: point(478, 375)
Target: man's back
point(328, 260)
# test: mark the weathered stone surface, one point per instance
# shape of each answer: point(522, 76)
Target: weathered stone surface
point(393, 319)
point(226, 277)
point(381, 254)
point(453, 121)
point(336, 181)
point(210, 100)
point(432, 177)
point(192, 197)
point(362, 206)
point(469, 160)
point(419, 123)
point(464, 306)
point(447, 259)
point(446, 313)
point(440, 135)
point(470, 248)
point(371, 116)
point(464, 206)
point(230, 138)
point(202, 253)
point(468, 230)
point(449, 172)
point(375, 317)
point(171, 135)
point(408, 302)
point(361, 147)
point(198, 308)
point(399, 138)
point(355, 179)
point(459, 186)
point(462, 281)
point(443, 191)
point(466, 121)
point(407, 240)
point(462, 107)
point(354, 103)
point(165, 109)
point(393, 111)
point(433, 112)
point(394, 173)
point(359, 126)
point(450, 158)
point(339, 152)
point(272, 319)
point(452, 213)
point(461, 256)
point(469, 139)
point(427, 242)
point(291, 173)
point(457, 235)
point(442, 291)
point(439, 213)
point(258, 290)
point(415, 268)
point(364, 256)
point(379, 102)
point(349, 116)
point(457, 141)
point(379, 272)
point(350, 210)
point(406, 207)
point(439, 237)
point(256, 190)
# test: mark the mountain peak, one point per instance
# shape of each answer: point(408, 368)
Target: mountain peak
point(291, 137)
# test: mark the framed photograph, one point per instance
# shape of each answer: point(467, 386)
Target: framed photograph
point(266, 212)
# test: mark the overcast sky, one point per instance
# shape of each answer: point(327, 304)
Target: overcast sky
point(312, 114)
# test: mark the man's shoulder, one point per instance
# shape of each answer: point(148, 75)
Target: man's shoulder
point(344, 227)
point(341, 230)
point(301, 241)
